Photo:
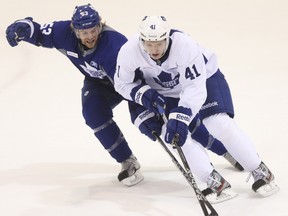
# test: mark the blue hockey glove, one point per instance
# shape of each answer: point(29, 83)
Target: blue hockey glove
point(178, 122)
point(148, 97)
point(146, 121)
point(19, 30)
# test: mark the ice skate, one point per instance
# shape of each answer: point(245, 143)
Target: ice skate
point(232, 161)
point(264, 183)
point(218, 189)
point(130, 173)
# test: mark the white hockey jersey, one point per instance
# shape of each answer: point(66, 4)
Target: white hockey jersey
point(182, 75)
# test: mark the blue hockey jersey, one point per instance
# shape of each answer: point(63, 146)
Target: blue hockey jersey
point(99, 63)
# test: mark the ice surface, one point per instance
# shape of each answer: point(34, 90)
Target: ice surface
point(50, 162)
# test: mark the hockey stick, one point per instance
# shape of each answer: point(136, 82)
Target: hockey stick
point(204, 203)
point(190, 178)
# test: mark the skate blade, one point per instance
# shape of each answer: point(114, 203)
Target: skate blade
point(225, 195)
point(268, 189)
point(136, 178)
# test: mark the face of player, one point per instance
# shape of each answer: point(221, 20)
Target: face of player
point(155, 49)
point(89, 36)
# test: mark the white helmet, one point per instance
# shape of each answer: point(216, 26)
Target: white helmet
point(154, 28)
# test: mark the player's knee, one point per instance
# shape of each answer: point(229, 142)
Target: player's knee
point(219, 122)
point(95, 115)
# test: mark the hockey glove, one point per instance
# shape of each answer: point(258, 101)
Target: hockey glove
point(178, 122)
point(148, 97)
point(19, 30)
point(146, 121)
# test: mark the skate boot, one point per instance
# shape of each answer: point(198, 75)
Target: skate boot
point(232, 161)
point(130, 173)
point(218, 189)
point(264, 181)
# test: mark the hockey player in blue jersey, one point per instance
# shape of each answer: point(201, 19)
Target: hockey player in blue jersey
point(165, 67)
point(92, 46)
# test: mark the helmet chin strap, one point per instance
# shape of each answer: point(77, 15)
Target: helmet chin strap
point(167, 45)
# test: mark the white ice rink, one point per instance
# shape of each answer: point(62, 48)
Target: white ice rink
point(50, 162)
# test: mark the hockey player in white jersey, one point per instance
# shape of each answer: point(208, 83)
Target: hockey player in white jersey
point(165, 67)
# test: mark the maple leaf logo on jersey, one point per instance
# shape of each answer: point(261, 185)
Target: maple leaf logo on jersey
point(94, 71)
point(166, 81)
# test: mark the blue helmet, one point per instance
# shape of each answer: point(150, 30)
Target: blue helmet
point(84, 17)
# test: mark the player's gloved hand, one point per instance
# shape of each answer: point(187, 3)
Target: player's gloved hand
point(147, 122)
point(148, 97)
point(151, 99)
point(19, 30)
point(178, 122)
